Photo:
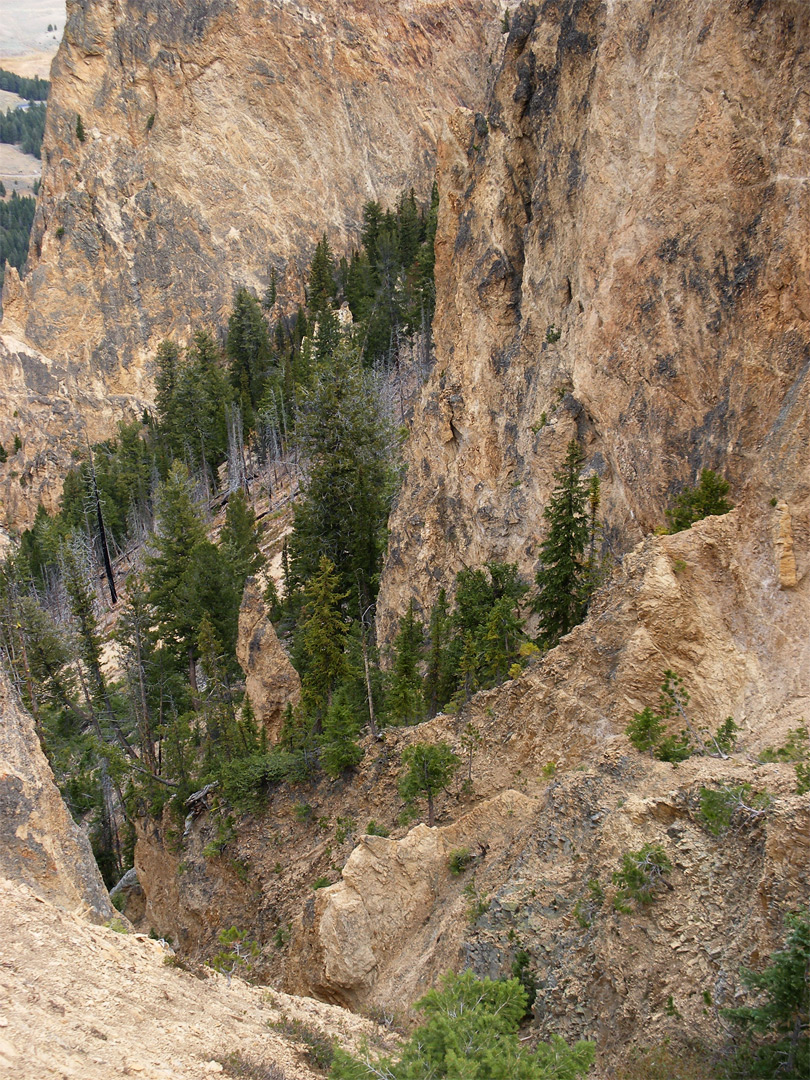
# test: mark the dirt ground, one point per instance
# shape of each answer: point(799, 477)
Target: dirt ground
point(24, 31)
point(18, 171)
point(84, 1002)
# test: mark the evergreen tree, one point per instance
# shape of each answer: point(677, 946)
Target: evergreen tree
point(439, 678)
point(339, 747)
point(322, 286)
point(344, 509)
point(470, 1032)
point(250, 352)
point(430, 768)
point(180, 531)
point(405, 700)
point(239, 540)
point(781, 1018)
point(693, 504)
point(562, 598)
point(320, 641)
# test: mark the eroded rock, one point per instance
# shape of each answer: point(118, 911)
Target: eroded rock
point(272, 682)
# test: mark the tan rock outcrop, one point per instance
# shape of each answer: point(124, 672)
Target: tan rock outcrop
point(271, 680)
point(40, 844)
point(220, 140)
point(622, 256)
point(360, 936)
point(783, 543)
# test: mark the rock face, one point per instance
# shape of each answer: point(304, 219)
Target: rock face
point(271, 680)
point(220, 139)
point(390, 893)
point(621, 256)
point(40, 844)
point(693, 602)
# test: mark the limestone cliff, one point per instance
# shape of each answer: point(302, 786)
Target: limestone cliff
point(220, 138)
point(622, 255)
point(40, 844)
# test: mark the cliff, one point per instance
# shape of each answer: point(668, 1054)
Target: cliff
point(219, 140)
point(41, 846)
point(622, 256)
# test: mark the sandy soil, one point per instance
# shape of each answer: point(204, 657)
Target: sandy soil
point(82, 1002)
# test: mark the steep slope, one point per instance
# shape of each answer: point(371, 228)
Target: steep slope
point(622, 255)
point(219, 139)
point(84, 1001)
point(40, 844)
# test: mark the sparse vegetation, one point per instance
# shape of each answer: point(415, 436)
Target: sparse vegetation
point(705, 500)
point(731, 806)
point(458, 861)
point(647, 731)
point(470, 1030)
point(237, 953)
point(641, 877)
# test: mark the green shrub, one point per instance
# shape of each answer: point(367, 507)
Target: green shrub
point(344, 827)
point(459, 860)
point(237, 954)
point(731, 806)
point(246, 781)
point(321, 883)
point(80, 135)
point(797, 750)
point(471, 1030)
point(225, 833)
point(693, 504)
point(373, 829)
point(641, 876)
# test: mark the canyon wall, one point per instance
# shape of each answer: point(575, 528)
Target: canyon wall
point(623, 257)
point(191, 148)
point(41, 846)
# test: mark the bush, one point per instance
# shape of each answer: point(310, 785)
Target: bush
point(373, 829)
point(470, 1030)
point(731, 806)
point(641, 876)
point(459, 860)
point(237, 953)
point(246, 781)
point(321, 883)
point(319, 1048)
point(706, 500)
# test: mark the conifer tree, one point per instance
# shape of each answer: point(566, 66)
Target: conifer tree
point(562, 597)
point(439, 681)
point(249, 350)
point(239, 540)
point(179, 531)
point(405, 700)
point(322, 286)
point(320, 641)
point(339, 747)
point(344, 509)
point(430, 768)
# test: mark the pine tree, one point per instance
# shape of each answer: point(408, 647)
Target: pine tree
point(430, 768)
point(405, 700)
point(239, 540)
point(782, 1016)
point(439, 678)
point(249, 350)
point(320, 641)
point(339, 747)
point(344, 509)
point(179, 531)
point(562, 597)
point(322, 286)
